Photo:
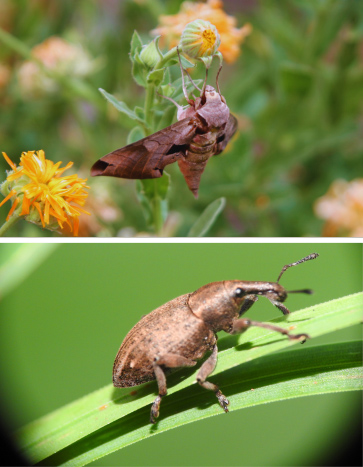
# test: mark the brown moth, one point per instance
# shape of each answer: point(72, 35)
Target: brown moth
point(203, 130)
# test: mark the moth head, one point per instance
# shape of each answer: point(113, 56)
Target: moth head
point(211, 95)
point(213, 110)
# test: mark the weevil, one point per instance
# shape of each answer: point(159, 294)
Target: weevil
point(182, 331)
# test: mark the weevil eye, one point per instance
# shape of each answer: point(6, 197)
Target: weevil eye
point(238, 292)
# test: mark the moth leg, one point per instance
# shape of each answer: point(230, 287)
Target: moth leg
point(179, 107)
point(219, 70)
point(241, 325)
point(205, 370)
point(248, 302)
point(190, 102)
point(169, 361)
point(191, 80)
point(205, 83)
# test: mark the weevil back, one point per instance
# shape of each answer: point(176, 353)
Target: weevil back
point(170, 329)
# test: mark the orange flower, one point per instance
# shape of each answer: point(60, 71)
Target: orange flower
point(171, 26)
point(44, 196)
point(342, 208)
point(57, 55)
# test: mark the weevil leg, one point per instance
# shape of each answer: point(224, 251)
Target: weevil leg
point(161, 380)
point(169, 361)
point(241, 325)
point(205, 370)
point(247, 303)
point(280, 306)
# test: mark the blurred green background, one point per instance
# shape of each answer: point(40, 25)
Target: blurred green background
point(62, 325)
point(297, 90)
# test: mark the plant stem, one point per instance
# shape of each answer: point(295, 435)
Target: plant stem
point(149, 100)
point(155, 199)
point(168, 56)
point(157, 209)
point(7, 224)
point(15, 44)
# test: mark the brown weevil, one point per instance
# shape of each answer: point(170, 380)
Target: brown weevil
point(180, 332)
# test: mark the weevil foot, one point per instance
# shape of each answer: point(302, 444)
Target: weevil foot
point(223, 401)
point(299, 337)
point(155, 410)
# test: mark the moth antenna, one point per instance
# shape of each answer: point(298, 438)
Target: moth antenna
point(307, 258)
point(183, 82)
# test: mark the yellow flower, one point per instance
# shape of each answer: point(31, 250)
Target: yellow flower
point(200, 39)
point(40, 193)
point(342, 209)
point(171, 26)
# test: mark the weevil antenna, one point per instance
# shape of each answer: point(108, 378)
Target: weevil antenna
point(307, 291)
point(287, 266)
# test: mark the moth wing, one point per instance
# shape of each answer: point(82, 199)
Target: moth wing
point(230, 130)
point(147, 157)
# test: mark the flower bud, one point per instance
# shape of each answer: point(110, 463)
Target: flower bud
point(200, 39)
point(150, 54)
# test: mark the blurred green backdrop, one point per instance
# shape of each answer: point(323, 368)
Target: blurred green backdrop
point(62, 325)
point(296, 90)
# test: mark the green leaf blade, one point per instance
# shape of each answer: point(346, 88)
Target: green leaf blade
point(207, 218)
point(97, 413)
point(284, 376)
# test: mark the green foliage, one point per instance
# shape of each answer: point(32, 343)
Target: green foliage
point(66, 317)
point(207, 218)
point(91, 427)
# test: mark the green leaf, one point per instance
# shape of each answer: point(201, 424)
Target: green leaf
point(136, 44)
point(155, 76)
point(178, 92)
point(140, 113)
point(156, 40)
point(185, 62)
point(318, 370)
point(139, 72)
point(167, 117)
point(135, 134)
point(90, 427)
point(122, 107)
point(167, 90)
point(207, 218)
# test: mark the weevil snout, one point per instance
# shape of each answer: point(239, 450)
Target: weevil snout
point(276, 294)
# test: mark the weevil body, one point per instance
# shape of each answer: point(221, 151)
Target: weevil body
point(182, 331)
